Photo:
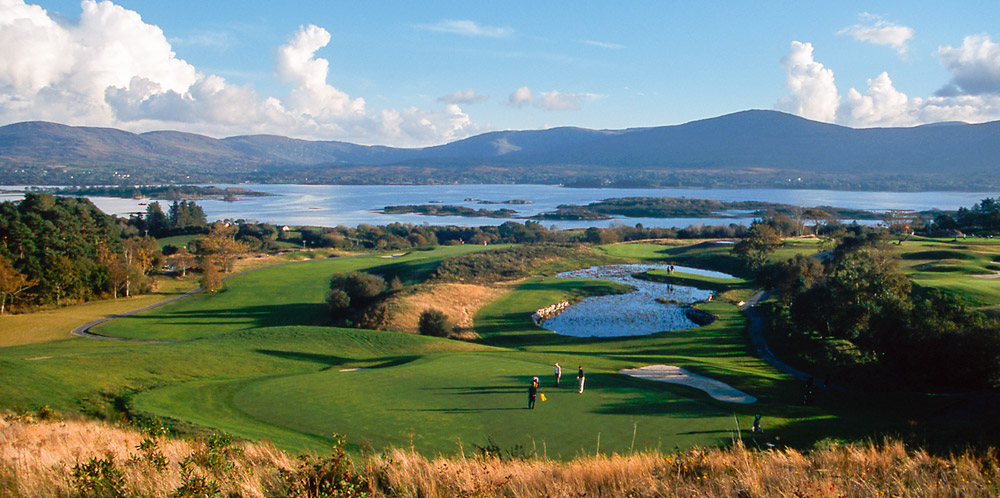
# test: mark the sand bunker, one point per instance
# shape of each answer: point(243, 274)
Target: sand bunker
point(677, 375)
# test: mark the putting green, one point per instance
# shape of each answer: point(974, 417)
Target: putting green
point(437, 401)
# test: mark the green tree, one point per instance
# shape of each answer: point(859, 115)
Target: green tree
point(155, 221)
point(351, 293)
point(858, 287)
point(792, 276)
point(758, 244)
point(434, 322)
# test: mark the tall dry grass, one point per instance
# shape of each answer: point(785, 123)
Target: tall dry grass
point(869, 470)
point(37, 458)
point(459, 302)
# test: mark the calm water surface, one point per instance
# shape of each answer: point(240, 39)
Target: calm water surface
point(351, 205)
point(635, 313)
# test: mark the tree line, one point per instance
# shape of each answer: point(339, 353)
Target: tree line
point(896, 333)
point(59, 249)
point(54, 249)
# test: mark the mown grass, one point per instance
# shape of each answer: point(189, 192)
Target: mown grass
point(255, 361)
point(272, 296)
point(56, 323)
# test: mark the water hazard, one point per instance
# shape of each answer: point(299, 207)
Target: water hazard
point(634, 313)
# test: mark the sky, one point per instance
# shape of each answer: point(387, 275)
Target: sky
point(413, 74)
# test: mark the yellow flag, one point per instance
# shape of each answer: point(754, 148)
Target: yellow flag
point(542, 396)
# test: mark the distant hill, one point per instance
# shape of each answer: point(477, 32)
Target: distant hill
point(750, 148)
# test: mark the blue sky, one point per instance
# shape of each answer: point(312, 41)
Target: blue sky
point(416, 73)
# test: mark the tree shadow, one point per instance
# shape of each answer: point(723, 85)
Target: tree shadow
point(251, 316)
point(331, 361)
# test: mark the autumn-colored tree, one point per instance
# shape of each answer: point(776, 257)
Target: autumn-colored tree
point(211, 280)
point(12, 282)
point(221, 246)
point(182, 260)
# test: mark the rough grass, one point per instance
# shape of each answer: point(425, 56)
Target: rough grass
point(459, 302)
point(37, 458)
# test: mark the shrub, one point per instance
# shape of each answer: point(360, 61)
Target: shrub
point(351, 294)
point(434, 322)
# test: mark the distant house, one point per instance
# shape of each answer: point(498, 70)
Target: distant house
point(285, 228)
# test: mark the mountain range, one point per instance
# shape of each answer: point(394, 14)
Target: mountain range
point(750, 148)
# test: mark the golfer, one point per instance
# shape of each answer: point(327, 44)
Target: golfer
point(532, 392)
point(580, 377)
point(558, 373)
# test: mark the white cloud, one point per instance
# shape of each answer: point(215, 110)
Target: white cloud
point(521, 96)
point(549, 101)
point(311, 95)
point(607, 45)
point(814, 95)
point(812, 91)
point(873, 29)
point(112, 69)
point(882, 105)
point(466, 27)
point(975, 67)
point(463, 97)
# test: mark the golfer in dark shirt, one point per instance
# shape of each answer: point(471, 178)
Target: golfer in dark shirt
point(532, 392)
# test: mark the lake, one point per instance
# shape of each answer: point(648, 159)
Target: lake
point(351, 205)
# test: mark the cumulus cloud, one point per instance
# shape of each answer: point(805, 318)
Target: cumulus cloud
point(881, 105)
point(873, 29)
point(549, 101)
point(812, 91)
point(814, 95)
point(463, 97)
point(110, 68)
point(975, 67)
point(466, 27)
point(521, 96)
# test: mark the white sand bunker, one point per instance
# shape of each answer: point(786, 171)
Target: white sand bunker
point(677, 375)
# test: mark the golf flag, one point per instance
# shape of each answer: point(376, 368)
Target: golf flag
point(541, 396)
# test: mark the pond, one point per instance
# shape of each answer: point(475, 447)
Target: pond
point(631, 314)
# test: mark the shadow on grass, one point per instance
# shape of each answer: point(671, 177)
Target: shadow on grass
point(454, 410)
point(408, 272)
point(323, 359)
point(465, 390)
point(253, 316)
point(331, 361)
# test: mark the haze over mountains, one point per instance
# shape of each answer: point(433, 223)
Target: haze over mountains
point(750, 148)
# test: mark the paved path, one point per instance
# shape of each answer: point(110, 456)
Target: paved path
point(756, 331)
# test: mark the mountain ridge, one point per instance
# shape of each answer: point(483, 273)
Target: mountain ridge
point(753, 140)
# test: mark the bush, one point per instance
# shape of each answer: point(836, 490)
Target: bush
point(351, 294)
point(434, 322)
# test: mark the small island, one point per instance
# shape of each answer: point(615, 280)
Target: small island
point(449, 210)
point(683, 207)
point(161, 192)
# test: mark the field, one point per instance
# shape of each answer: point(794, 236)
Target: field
point(258, 361)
